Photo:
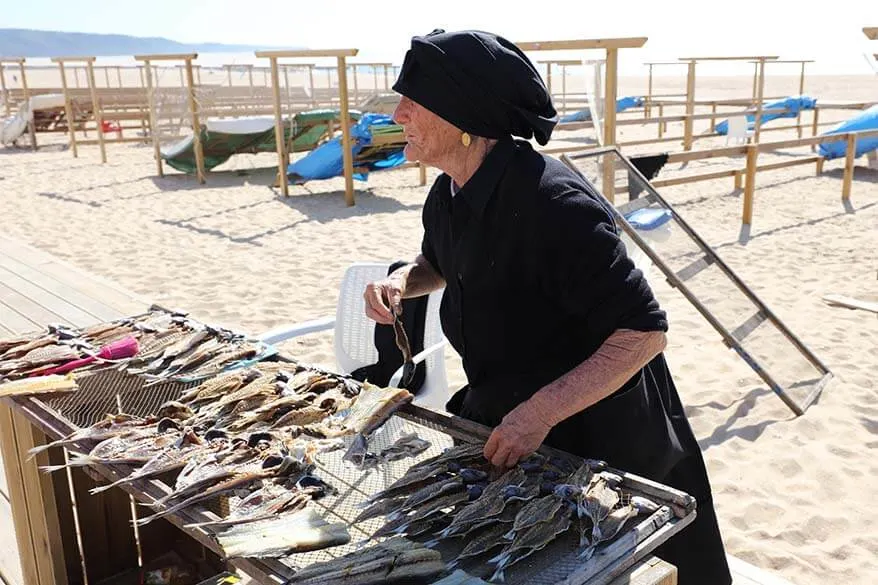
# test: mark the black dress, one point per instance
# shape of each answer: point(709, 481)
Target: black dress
point(536, 280)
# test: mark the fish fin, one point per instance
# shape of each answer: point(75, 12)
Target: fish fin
point(500, 559)
point(498, 576)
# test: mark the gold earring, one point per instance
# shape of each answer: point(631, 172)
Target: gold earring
point(466, 139)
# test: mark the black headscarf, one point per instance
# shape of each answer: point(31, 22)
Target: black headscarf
point(480, 82)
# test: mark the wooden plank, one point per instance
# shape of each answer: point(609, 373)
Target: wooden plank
point(575, 45)
point(652, 571)
point(69, 292)
point(309, 53)
point(68, 59)
point(11, 320)
point(26, 315)
point(10, 565)
point(746, 328)
point(694, 268)
point(166, 57)
point(17, 495)
point(57, 306)
point(850, 302)
point(871, 32)
point(40, 501)
point(110, 293)
point(756, 58)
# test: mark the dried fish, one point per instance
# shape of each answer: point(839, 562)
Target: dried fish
point(299, 531)
point(404, 562)
point(531, 540)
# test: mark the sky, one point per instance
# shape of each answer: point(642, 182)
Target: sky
point(829, 32)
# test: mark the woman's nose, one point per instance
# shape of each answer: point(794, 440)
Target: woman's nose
point(400, 114)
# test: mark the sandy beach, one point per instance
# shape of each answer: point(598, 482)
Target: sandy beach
point(794, 495)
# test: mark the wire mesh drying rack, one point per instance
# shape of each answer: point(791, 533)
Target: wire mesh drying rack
point(107, 391)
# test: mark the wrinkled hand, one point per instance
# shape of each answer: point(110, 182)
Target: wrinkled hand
point(383, 298)
point(520, 433)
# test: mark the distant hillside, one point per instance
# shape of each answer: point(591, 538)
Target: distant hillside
point(18, 42)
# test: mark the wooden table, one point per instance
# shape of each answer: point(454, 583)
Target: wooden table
point(37, 289)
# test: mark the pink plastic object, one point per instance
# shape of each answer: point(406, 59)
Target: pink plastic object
point(124, 348)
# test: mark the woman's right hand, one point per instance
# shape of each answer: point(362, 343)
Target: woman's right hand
point(384, 298)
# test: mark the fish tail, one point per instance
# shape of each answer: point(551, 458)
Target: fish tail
point(498, 576)
point(33, 452)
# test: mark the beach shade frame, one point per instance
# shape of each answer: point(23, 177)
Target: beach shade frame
point(611, 79)
point(95, 103)
point(24, 87)
point(690, 90)
point(282, 154)
point(733, 338)
point(187, 58)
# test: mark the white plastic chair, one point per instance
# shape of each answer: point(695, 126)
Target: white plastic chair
point(738, 129)
point(354, 333)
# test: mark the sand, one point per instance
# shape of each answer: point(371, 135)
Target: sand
point(794, 495)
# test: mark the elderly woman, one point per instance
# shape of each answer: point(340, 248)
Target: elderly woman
point(560, 336)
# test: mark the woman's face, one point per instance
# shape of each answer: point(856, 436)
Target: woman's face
point(430, 139)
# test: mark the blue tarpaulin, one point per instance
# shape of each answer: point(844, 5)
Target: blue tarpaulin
point(622, 104)
point(865, 120)
point(326, 160)
point(793, 104)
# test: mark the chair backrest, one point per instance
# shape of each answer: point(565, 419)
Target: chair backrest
point(738, 128)
point(355, 333)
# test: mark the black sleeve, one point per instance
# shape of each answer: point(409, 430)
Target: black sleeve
point(428, 216)
point(588, 271)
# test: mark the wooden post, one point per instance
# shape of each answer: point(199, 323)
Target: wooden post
point(32, 128)
point(564, 91)
point(610, 88)
point(229, 69)
point(356, 89)
point(5, 93)
point(346, 131)
point(142, 76)
point(76, 76)
point(759, 93)
point(750, 183)
point(107, 76)
point(96, 105)
point(283, 182)
point(386, 78)
point(198, 73)
point(549, 77)
point(250, 77)
point(32, 499)
point(196, 123)
point(713, 118)
point(850, 155)
point(68, 110)
point(153, 126)
point(661, 124)
point(646, 110)
point(119, 75)
point(814, 125)
point(801, 93)
point(690, 106)
point(422, 174)
point(311, 82)
point(755, 79)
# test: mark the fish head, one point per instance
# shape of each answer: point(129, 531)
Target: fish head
point(174, 409)
point(168, 424)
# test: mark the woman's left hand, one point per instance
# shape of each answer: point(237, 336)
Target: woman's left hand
point(519, 434)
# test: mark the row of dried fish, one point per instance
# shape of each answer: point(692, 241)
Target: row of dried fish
point(454, 496)
point(253, 433)
point(158, 345)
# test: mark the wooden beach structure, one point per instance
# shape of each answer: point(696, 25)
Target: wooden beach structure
point(611, 48)
point(95, 103)
point(192, 102)
point(25, 91)
point(283, 157)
